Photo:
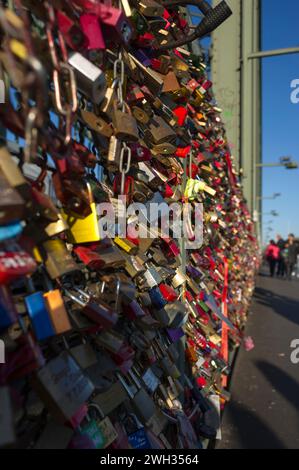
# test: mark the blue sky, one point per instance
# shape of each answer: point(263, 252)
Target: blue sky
point(280, 118)
point(280, 129)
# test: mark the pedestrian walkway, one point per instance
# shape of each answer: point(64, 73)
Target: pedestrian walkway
point(264, 409)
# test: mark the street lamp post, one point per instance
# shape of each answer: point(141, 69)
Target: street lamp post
point(285, 162)
point(275, 196)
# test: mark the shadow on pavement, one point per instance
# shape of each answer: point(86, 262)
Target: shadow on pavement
point(281, 304)
point(252, 432)
point(281, 381)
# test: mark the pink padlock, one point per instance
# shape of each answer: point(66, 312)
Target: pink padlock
point(91, 28)
point(115, 25)
point(74, 37)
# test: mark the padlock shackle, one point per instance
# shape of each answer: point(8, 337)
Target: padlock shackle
point(74, 298)
point(97, 407)
point(213, 18)
point(125, 385)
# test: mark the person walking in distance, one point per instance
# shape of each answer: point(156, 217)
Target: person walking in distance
point(291, 255)
point(272, 256)
point(281, 265)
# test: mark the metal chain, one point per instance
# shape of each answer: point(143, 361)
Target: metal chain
point(118, 83)
point(118, 79)
point(67, 109)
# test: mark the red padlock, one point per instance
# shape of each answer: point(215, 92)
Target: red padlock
point(88, 158)
point(128, 186)
point(15, 263)
point(140, 153)
point(181, 112)
point(171, 247)
point(89, 257)
point(168, 292)
point(183, 152)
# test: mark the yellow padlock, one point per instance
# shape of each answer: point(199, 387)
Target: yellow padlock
point(126, 245)
point(18, 49)
point(85, 230)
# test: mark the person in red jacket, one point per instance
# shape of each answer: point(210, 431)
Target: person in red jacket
point(272, 256)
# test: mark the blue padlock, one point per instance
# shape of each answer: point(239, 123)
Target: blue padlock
point(139, 440)
point(137, 436)
point(157, 298)
point(8, 313)
point(39, 316)
point(10, 231)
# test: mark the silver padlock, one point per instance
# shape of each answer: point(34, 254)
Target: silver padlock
point(91, 80)
point(150, 278)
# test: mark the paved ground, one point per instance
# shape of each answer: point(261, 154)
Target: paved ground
point(264, 410)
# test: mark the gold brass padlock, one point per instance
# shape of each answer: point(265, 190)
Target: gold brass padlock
point(158, 131)
point(96, 123)
point(124, 123)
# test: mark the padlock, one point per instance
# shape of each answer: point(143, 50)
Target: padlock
point(171, 315)
point(75, 195)
point(57, 311)
point(124, 123)
point(137, 434)
point(141, 192)
point(89, 257)
point(150, 380)
point(83, 354)
point(92, 431)
point(157, 299)
point(110, 256)
point(113, 156)
point(146, 76)
point(15, 263)
point(39, 316)
point(104, 424)
point(111, 398)
point(15, 177)
point(96, 123)
point(63, 386)
point(86, 229)
point(168, 293)
point(155, 178)
point(58, 260)
point(56, 228)
point(126, 245)
point(12, 206)
point(91, 28)
point(10, 231)
point(73, 35)
point(115, 25)
point(158, 131)
point(150, 278)
point(94, 309)
point(141, 401)
point(90, 79)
